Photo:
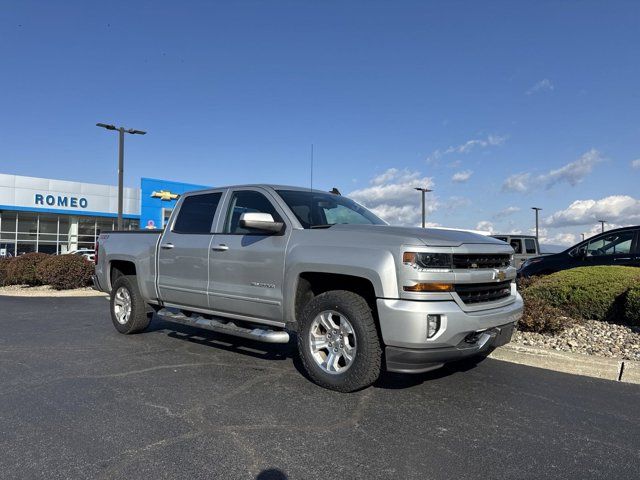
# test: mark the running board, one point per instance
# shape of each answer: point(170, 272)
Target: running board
point(223, 325)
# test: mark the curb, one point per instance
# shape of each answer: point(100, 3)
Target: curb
point(627, 371)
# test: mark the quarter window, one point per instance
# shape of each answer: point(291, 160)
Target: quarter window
point(247, 201)
point(196, 213)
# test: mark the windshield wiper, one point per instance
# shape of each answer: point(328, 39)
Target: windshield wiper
point(321, 226)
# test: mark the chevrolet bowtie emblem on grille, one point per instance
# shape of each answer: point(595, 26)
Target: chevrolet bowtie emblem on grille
point(165, 195)
point(499, 275)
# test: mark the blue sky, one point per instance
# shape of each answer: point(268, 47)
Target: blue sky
point(499, 106)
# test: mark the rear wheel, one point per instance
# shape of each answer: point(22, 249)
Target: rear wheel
point(338, 341)
point(128, 309)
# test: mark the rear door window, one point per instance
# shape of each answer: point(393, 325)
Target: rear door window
point(530, 245)
point(196, 213)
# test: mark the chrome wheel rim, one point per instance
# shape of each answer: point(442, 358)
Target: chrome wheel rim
point(122, 305)
point(332, 342)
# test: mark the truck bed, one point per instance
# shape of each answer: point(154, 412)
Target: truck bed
point(137, 246)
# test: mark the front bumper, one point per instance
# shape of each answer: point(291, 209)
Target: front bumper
point(414, 360)
point(403, 325)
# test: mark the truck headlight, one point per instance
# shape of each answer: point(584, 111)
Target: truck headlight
point(437, 262)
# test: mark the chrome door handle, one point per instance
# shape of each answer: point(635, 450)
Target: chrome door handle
point(167, 246)
point(220, 248)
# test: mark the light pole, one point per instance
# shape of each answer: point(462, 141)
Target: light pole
point(602, 222)
point(424, 212)
point(121, 132)
point(537, 209)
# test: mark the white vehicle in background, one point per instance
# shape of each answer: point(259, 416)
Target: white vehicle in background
point(87, 253)
point(524, 247)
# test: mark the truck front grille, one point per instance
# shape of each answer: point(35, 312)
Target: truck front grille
point(468, 261)
point(483, 292)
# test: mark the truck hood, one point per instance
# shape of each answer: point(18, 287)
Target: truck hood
point(432, 237)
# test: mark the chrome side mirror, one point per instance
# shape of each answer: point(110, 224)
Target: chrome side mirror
point(260, 221)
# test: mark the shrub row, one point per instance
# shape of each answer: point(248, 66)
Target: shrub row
point(62, 272)
point(603, 293)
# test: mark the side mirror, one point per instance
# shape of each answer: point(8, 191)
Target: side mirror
point(260, 221)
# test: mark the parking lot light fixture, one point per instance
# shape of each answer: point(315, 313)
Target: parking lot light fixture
point(602, 222)
point(121, 132)
point(537, 209)
point(424, 213)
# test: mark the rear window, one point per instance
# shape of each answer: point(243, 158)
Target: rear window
point(196, 213)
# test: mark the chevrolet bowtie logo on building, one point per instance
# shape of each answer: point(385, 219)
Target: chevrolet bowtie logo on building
point(165, 195)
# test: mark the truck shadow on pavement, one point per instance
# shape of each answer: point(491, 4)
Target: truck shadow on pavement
point(280, 352)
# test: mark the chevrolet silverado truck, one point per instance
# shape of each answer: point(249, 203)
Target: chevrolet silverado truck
point(268, 263)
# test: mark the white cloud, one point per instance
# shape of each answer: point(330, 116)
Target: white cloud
point(544, 85)
point(461, 177)
point(455, 202)
point(392, 196)
point(468, 146)
point(572, 173)
point(561, 238)
point(636, 164)
point(506, 212)
point(485, 225)
point(518, 182)
point(617, 209)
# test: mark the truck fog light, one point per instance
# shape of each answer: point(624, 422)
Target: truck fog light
point(433, 325)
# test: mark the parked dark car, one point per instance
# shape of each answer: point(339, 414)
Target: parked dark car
point(615, 247)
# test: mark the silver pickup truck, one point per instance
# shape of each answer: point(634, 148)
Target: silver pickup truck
point(265, 262)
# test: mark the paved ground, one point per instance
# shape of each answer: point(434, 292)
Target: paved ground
point(78, 400)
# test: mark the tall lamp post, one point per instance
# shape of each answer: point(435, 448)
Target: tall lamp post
point(121, 132)
point(537, 209)
point(424, 212)
point(602, 222)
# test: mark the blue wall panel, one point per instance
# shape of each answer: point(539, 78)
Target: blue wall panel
point(151, 207)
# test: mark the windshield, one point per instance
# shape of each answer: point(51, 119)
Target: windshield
point(318, 210)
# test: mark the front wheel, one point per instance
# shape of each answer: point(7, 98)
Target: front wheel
point(128, 308)
point(338, 341)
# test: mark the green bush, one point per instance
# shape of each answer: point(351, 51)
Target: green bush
point(632, 306)
point(4, 266)
point(22, 270)
point(64, 272)
point(596, 293)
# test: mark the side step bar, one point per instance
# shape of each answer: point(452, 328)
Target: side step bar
point(223, 325)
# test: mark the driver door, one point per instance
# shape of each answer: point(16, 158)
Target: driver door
point(247, 266)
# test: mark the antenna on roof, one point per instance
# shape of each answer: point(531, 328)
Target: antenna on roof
point(311, 187)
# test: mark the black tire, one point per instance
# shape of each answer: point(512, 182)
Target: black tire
point(366, 364)
point(139, 317)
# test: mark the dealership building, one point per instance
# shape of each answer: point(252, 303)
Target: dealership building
point(59, 216)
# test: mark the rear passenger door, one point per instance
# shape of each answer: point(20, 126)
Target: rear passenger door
point(183, 253)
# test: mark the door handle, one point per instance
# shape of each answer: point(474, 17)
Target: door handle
point(220, 248)
point(167, 246)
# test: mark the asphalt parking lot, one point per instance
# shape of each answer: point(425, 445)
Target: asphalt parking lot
point(80, 400)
